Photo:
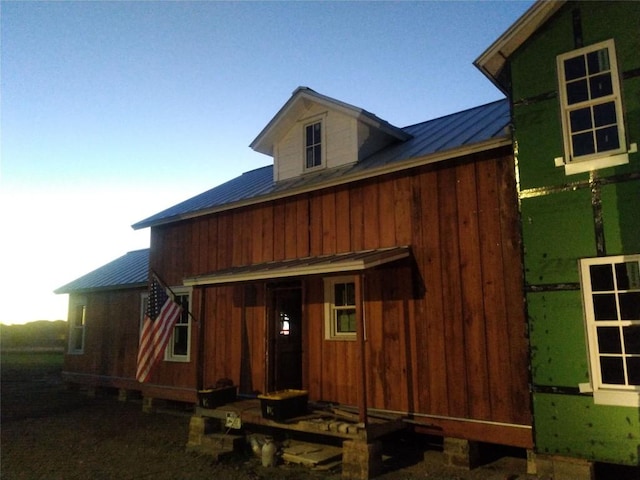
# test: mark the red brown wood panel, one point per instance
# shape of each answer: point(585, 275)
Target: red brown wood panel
point(315, 224)
point(513, 281)
point(386, 214)
point(343, 220)
point(472, 300)
point(267, 234)
point(371, 215)
point(329, 222)
point(454, 331)
point(314, 333)
point(290, 229)
point(279, 233)
point(404, 203)
point(301, 231)
point(356, 217)
point(493, 291)
point(374, 339)
point(432, 363)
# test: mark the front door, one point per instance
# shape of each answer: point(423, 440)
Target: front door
point(285, 366)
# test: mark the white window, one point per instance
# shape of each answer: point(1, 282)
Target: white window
point(340, 308)
point(591, 107)
point(313, 145)
point(611, 291)
point(179, 346)
point(77, 321)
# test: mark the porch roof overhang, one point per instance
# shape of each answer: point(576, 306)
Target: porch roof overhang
point(323, 264)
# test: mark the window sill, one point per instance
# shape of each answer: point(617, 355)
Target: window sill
point(581, 166)
point(616, 398)
point(177, 360)
point(343, 338)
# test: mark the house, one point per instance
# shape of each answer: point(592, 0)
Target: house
point(358, 267)
point(480, 280)
point(572, 73)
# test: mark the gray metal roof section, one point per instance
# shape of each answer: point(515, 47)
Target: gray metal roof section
point(440, 139)
point(129, 271)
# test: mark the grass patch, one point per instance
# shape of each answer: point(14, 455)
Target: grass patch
point(26, 359)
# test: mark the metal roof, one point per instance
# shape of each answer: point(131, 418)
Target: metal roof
point(296, 267)
point(129, 271)
point(443, 138)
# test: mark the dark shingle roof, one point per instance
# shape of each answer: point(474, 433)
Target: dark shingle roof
point(438, 139)
point(129, 271)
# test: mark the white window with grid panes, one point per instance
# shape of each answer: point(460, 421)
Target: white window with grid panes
point(591, 107)
point(611, 293)
point(340, 308)
point(313, 151)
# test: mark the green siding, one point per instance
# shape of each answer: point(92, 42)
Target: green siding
point(621, 216)
point(558, 230)
point(561, 225)
point(556, 330)
point(571, 425)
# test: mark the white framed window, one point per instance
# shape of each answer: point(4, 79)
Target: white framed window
point(611, 294)
point(313, 151)
point(77, 323)
point(591, 108)
point(340, 308)
point(179, 346)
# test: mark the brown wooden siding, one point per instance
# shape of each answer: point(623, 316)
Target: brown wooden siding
point(445, 331)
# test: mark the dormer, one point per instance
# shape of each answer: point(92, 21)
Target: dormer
point(312, 132)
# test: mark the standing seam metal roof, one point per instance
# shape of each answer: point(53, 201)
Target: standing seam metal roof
point(130, 270)
point(449, 133)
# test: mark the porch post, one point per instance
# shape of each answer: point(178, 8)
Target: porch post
point(362, 384)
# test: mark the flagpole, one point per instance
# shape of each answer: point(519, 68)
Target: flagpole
point(173, 294)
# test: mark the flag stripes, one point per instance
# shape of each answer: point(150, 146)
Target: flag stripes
point(159, 319)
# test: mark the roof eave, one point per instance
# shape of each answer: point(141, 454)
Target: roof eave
point(492, 61)
point(441, 156)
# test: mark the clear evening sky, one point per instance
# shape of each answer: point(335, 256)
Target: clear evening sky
point(113, 111)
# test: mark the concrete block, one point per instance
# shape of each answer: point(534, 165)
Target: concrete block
point(461, 453)
point(361, 460)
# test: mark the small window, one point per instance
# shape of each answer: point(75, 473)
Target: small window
point(611, 290)
point(77, 321)
point(179, 349)
point(340, 308)
point(592, 115)
point(313, 145)
point(179, 346)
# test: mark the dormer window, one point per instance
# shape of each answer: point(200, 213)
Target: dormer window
point(313, 145)
point(591, 105)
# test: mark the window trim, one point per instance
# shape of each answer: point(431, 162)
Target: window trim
point(169, 356)
point(309, 123)
point(80, 302)
point(596, 160)
point(331, 330)
point(603, 394)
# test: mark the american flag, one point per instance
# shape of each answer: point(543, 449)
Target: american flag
point(159, 318)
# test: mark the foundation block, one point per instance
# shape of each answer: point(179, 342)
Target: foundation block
point(361, 460)
point(461, 453)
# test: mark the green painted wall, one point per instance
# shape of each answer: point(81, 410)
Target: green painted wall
point(560, 226)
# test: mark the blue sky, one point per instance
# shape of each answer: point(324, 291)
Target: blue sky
point(113, 111)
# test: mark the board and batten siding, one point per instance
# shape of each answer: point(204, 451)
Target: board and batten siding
point(446, 333)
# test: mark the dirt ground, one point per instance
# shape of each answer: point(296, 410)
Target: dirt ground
point(51, 432)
